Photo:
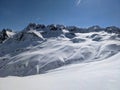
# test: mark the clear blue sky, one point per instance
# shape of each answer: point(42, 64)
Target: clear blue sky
point(16, 14)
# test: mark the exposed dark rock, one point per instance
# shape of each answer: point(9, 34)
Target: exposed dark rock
point(113, 29)
point(4, 35)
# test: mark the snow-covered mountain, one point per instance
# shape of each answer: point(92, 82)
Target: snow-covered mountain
point(39, 48)
point(5, 34)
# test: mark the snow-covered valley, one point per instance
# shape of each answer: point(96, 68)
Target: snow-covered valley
point(60, 58)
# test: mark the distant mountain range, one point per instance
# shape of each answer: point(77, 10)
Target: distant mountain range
point(39, 48)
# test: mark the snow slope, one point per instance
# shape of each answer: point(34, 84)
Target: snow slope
point(39, 48)
point(99, 75)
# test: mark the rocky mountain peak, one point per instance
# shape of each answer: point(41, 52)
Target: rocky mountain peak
point(5, 34)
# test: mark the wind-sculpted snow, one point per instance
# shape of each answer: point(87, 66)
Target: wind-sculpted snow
point(99, 75)
point(39, 48)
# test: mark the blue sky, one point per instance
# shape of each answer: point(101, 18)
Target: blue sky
point(16, 14)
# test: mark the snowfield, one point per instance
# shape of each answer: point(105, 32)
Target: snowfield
point(100, 75)
point(57, 57)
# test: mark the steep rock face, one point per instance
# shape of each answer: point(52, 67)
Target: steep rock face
point(39, 48)
point(5, 34)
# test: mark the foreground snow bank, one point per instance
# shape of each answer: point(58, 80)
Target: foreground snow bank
point(99, 75)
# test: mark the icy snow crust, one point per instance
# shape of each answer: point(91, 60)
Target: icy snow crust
point(39, 48)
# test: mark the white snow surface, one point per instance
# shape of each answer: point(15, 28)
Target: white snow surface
point(10, 33)
point(33, 51)
point(60, 58)
point(99, 75)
